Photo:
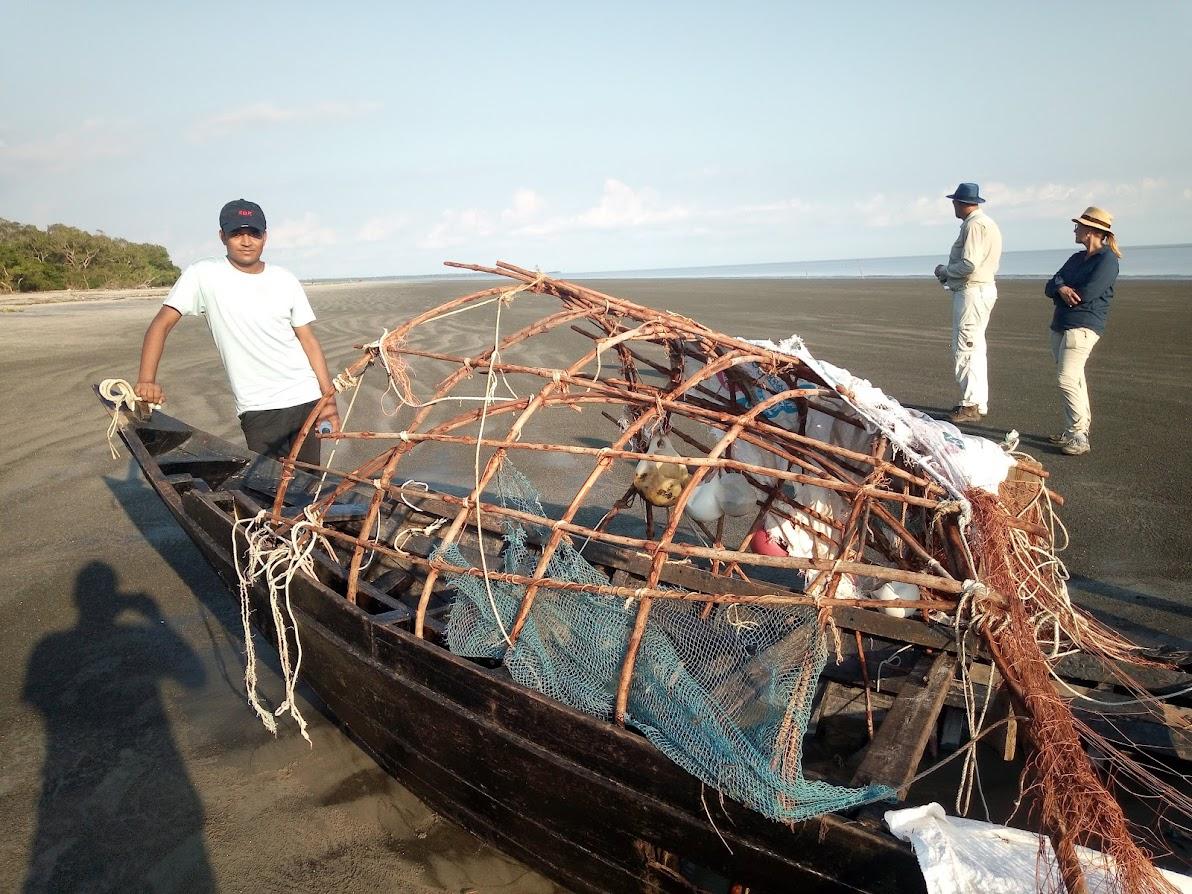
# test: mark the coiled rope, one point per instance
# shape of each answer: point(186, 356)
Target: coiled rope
point(120, 393)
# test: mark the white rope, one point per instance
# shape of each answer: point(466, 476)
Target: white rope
point(273, 561)
point(120, 393)
point(711, 822)
point(894, 660)
point(503, 298)
point(733, 616)
point(490, 386)
point(405, 533)
point(349, 382)
point(1148, 700)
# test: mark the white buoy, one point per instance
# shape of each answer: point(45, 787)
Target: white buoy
point(897, 590)
point(704, 504)
point(737, 496)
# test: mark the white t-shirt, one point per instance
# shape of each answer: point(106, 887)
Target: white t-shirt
point(252, 318)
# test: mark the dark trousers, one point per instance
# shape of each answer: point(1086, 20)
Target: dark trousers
point(272, 432)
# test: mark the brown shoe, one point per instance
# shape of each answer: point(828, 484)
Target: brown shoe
point(969, 413)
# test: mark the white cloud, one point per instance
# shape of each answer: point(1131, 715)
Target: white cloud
point(380, 228)
point(888, 222)
point(89, 141)
point(263, 114)
point(620, 207)
point(527, 204)
point(302, 233)
point(1032, 201)
point(458, 228)
point(1049, 200)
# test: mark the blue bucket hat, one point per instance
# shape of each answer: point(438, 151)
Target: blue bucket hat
point(967, 194)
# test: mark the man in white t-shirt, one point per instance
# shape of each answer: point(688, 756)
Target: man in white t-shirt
point(260, 319)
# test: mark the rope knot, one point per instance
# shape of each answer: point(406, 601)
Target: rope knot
point(120, 393)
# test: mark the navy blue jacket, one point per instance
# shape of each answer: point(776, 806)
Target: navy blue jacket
point(1092, 276)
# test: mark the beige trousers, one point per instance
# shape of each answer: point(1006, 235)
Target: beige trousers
point(971, 308)
point(1071, 349)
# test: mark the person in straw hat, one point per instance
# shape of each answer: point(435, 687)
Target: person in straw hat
point(1081, 291)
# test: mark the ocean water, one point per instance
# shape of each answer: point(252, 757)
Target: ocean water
point(1154, 261)
point(1145, 261)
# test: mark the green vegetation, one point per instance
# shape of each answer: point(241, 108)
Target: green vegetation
point(62, 257)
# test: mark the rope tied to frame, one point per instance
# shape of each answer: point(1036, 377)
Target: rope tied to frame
point(406, 533)
point(490, 388)
point(824, 616)
point(395, 367)
point(120, 393)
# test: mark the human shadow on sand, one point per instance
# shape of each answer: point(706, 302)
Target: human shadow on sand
point(219, 606)
point(117, 810)
point(220, 614)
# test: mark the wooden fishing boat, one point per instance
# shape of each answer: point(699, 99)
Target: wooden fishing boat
point(585, 796)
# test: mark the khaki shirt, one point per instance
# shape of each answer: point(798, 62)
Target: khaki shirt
point(976, 253)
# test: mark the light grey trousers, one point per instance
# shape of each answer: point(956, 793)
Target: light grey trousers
point(1071, 349)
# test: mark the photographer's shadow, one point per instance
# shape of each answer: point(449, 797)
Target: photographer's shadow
point(117, 810)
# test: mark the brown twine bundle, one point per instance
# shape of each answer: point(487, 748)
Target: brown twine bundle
point(1073, 803)
point(399, 378)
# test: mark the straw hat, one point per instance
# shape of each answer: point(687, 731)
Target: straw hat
point(1097, 218)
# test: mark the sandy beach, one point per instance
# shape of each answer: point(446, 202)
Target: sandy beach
point(128, 755)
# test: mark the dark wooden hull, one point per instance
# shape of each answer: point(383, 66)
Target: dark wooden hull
point(589, 804)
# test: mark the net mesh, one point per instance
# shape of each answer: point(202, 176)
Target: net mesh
point(727, 698)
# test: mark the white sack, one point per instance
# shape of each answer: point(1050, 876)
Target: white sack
point(963, 856)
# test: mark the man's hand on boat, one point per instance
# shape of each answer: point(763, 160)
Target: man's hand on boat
point(149, 392)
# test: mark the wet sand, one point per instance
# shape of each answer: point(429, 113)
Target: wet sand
point(128, 755)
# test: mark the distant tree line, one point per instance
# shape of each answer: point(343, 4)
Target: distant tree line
point(62, 257)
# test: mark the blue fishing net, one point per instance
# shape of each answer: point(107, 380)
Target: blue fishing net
point(726, 697)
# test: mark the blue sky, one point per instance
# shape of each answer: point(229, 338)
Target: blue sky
point(383, 138)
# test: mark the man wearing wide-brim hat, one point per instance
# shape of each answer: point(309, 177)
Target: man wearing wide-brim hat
point(968, 275)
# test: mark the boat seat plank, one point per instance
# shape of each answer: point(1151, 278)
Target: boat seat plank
point(1170, 734)
point(184, 481)
point(898, 746)
point(393, 579)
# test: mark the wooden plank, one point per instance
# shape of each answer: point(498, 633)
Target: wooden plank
point(896, 750)
point(393, 579)
point(1115, 716)
point(1086, 667)
point(401, 615)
